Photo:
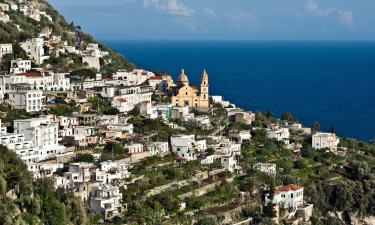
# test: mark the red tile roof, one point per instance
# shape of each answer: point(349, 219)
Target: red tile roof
point(290, 187)
point(122, 100)
point(32, 74)
point(156, 78)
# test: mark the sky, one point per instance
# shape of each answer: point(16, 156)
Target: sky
point(223, 19)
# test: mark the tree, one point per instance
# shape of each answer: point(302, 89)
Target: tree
point(19, 52)
point(114, 148)
point(269, 210)
point(288, 116)
point(315, 127)
point(333, 129)
point(84, 74)
point(269, 115)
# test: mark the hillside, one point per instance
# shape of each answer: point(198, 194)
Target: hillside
point(23, 26)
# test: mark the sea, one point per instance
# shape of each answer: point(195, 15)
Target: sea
point(326, 81)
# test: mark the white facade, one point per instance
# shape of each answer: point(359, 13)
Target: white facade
point(186, 147)
point(43, 134)
point(31, 101)
point(134, 148)
point(133, 78)
point(24, 148)
point(34, 48)
point(5, 49)
point(279, 134)
point(268, 168)
point(136, 95)
point(61, 82)
point(123, 127)
point(105, 199)
point(288, 197)
point(325, 140)
point(121, 104)
point(20, 66)
point(229, 163)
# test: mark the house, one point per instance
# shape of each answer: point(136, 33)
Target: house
point(158, 148)
point(61, 82)
point(201, 122)
point(135, 95)
point(230, 164)
point(44, 170)
point(85, 135)
point(17, 142)
point(297, 127)
point(158, 84)
point(20, 66)
point(121, 104)
point(91, 56)
point(4, 7)
point(244, 135)
point(268, 168)
point(287, 197)
point(38, 81)
point(34, 49)
point(43, 134)
point(133, 78)
point(325, 140)
point(244, 117)
point(106, 200)
point(31, 101)
point(4, 17)
point(162, 111)
point(5, 49)
point(86, 119)
point(134, 148)
point(186, 95)
point(186, 147)
point(123, 127)
point(279, 134)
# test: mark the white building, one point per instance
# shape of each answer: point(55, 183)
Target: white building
point(121, 104)
point(84, 135)
point(91, 61)
point(123, 127)
point(61, 82)
point(279, 134)
point(186, 147)
point(43, 134)
point(325, 140)
point(34, 49)
point(162, 111)
point(4, 7)
point(31, 101)
point(158, 148)
point(133, 78)
point(39, 82)
point(20, 66)
point(288, 197)
point(268, 168)
point(106, 200)
point(5, 49)
point(24, 148)
point(134, 148)
point(4, 17)
point(136, 95)
point(230, 164)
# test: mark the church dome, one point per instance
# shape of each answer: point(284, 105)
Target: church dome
point(182, 78)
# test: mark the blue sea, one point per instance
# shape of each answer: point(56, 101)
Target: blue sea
point(328, 82)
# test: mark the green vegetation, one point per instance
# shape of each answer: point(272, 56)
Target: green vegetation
point(23, 201)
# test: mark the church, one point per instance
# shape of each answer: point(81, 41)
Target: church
point(194, 97)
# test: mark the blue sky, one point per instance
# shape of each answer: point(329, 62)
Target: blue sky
point(223, 19)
